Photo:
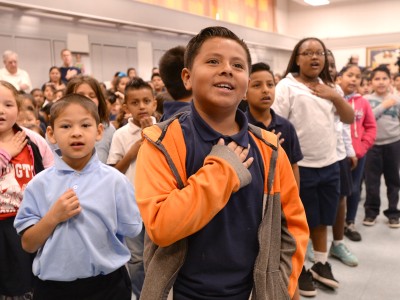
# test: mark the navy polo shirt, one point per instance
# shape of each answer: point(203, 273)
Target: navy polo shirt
point(171, 108)
point(221, 256)
point(291, 144)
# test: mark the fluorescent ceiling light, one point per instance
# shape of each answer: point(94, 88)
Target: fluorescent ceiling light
point(317, 2)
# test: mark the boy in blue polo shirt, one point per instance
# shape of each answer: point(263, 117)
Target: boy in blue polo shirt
point(260, 96)
point(76, 213)
point(217, 195)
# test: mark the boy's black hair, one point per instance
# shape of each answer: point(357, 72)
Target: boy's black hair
point(76, 81)
point(194, 45)
point(294, 68)
point(171, 65)
point(257, 67)
point(155, 75)
point(34, 90)
point(137, 83)
point(49, 84)
point(58, 107)
point(381, 68)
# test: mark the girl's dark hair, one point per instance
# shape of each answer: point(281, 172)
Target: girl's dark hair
point(194, 45)
point(294, 68)
point(118, 80)
point(58, 107)
point(76, 81)
point(346, 67)
point(49, 84)
point(381, 68)
point(137, 83)
point(58, 69)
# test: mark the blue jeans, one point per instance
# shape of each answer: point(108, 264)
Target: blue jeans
point(354, 198)
point(135, 264)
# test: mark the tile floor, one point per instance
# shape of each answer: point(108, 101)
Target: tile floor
point(377, 277)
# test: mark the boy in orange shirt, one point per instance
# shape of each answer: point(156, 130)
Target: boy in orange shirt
point(217, 195)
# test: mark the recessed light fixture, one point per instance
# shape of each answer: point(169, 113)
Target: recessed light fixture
point(317, 2)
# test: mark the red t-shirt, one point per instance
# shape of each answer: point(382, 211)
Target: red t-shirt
point(13, 182)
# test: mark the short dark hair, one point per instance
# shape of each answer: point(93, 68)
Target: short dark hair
point(381, 68)
point(257, 67)
point(171, 65)
point(137, 83)
point(194, 45)
point(294, 68)
point(58, 107)
point(155, 75)
point(346, 67)
point(76, 81)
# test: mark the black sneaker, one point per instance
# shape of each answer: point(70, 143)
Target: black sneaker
point(394, 223)
point(306, 284)
point(323, 273)
point(351, 232)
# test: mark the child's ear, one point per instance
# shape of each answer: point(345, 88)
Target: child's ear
point(154, 104)
point(100, 130)
point(50, 135)
point(37, 122)
point(186, 78)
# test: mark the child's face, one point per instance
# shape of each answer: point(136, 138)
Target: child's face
point(218, 77)
point(39, 97)
point(380, 83)
point(122, 84)
point(365, 87)
point(311, 66)
point(55, 75)
point(76, 132)
point(396, 83)
point(261, 92)
point(8, 109)
point(48, 93)
point(350, 80)
point(158, 84)
point(332, 67)
point(59, 94)
point(132, 73)
point(114, 108)
point(26, 104)
point(140, 104)
point(27, 119)
point(87, 91)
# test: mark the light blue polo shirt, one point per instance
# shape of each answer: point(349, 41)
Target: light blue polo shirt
point(90, 243)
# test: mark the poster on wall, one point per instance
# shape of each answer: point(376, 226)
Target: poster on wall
point(384, 55)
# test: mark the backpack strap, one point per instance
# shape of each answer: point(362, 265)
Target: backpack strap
point(164, 127)
point(272, 164)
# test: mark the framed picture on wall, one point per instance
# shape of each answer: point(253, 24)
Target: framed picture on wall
point(384, 55)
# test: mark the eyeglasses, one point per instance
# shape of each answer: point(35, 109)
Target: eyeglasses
point(312, 53)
